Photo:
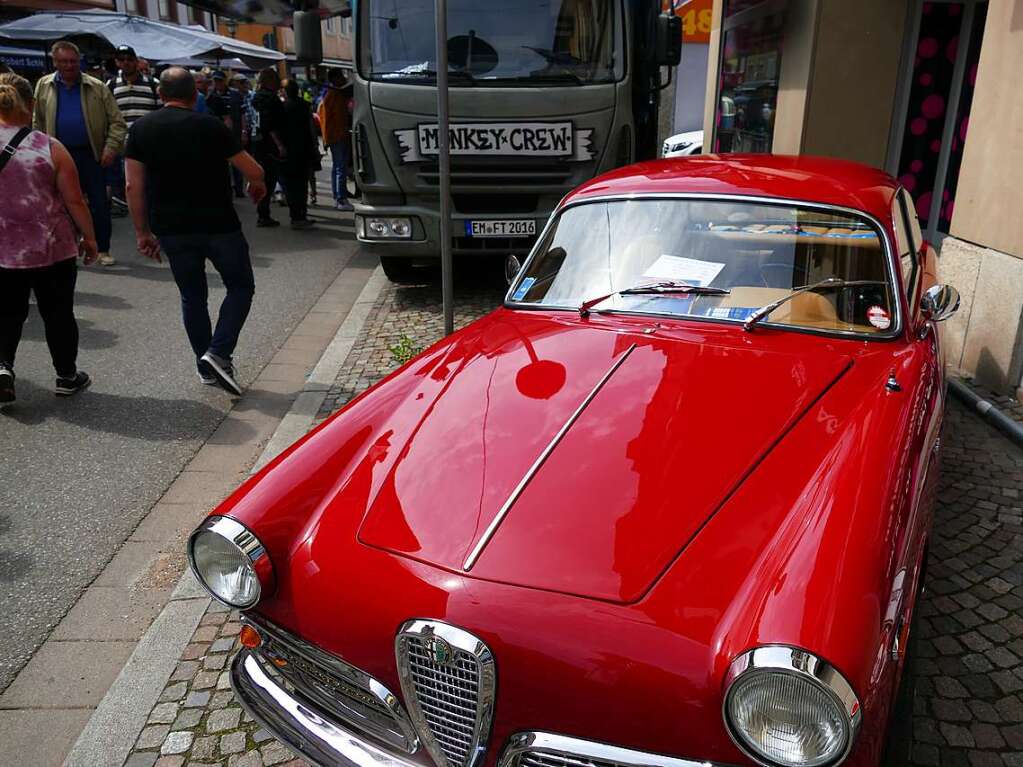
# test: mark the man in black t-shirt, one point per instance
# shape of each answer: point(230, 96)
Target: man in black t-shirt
point(179, 194)
point(267, 137)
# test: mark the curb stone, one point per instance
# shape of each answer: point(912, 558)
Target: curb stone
point(122, 714)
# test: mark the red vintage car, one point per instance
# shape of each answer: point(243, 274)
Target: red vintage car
point(667, 507)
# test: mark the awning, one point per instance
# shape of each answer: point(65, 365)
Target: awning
point(154, 40)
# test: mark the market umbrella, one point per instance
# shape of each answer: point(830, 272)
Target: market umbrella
point(154, 40)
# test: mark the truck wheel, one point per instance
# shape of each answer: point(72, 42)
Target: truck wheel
point(401, 270)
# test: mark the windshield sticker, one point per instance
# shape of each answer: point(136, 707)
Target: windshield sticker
point(879, 318)
point(535, 139)
point(732, 312)
point(523, 288)
point(688, 270)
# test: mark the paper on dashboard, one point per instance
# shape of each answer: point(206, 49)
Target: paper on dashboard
point(689, 270)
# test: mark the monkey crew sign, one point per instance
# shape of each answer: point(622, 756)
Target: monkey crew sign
point(536, 139)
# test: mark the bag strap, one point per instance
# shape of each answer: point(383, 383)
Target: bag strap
point(8, 151)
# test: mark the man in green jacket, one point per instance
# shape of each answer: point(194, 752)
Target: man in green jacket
point(81, 113)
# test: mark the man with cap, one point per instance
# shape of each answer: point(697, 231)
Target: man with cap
point(225, 104)
point(135, 94)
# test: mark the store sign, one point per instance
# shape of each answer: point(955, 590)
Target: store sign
point(22, 62)
point(532, 139)
point(696, 16)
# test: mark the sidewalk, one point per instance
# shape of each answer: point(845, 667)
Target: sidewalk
point(968, 704)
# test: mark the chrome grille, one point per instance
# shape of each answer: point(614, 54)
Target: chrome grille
point(545, 749)
point(336, 689)
point(448, 679)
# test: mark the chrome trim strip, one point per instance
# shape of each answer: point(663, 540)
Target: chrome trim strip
point(247, 543)
point(766, 200)
point(292, 721)
point(481, 544)
point(465, 642)
point(576, 748)
point(792, 660)
point(352, 675)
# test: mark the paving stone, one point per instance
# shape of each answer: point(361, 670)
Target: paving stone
point(152, 737)
point(221, 700)
point(250, 759)
point(185, 670)
point(174, 691)
point(224, 681)
point(214, 662)
point(222, 645)
point(141, 760)
point(275, 753)
point(197, 699)
point(204, 748)
point(163, 713)
point(177, 743)
point(170, 761)
point(226, 719)
point(232, 743)
point(187, 719)
point(205, 680)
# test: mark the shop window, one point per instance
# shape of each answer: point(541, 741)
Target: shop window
point(748, 80)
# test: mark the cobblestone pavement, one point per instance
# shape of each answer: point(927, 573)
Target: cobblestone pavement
point(965, 694)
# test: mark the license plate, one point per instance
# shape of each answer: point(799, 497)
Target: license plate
point(501, 227)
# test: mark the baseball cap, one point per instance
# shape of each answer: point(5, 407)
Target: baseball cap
point(217, 74)
point(239, 76)
point(125, 51)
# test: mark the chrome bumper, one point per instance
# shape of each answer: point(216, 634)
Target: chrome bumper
point(327, 744)
point(297, 725)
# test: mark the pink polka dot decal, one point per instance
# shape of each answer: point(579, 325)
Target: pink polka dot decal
point(908, 180)
point(923, 205)
point(952, 49)
point(916, 166)
point(933, 106)
point(918, 126)
point(928, 48)
point(936, 146)
point(925, 79)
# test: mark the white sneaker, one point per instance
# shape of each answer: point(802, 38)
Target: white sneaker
point(105, 259)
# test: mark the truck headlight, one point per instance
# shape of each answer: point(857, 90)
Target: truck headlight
point(785, 707)
point(383, 228)
point(230, 562)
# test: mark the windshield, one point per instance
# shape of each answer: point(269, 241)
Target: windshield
point(526, 42)
point(759, 253)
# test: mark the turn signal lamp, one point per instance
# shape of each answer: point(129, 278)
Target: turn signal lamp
point(250, 638)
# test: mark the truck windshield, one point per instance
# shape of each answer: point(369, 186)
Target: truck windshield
point(519, 42)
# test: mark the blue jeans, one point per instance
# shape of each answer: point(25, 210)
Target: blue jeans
point(92, 177)
point(339, 173)
point(229, 254)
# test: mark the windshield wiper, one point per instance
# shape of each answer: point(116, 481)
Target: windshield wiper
point(455, 74)
point(669, 287)
point(830, 282)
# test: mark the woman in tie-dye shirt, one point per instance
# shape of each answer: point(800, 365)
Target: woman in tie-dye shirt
point(44, 224)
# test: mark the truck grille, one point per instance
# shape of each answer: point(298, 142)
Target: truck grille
point(496, 174)
point(335, 688)
point(448, 679)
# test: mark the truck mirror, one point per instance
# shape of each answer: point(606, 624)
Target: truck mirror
point(308, 43)
point(668, 40)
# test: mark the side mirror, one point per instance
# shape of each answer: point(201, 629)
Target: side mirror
point(668, 40)
point(939, 303)
point(512, 266)
point(308, 43)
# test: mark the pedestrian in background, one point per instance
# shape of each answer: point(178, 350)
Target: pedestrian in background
point(267, 138)
point(202, 86)
point(42, 205)
point(225, 104)
point(81, 113)
point(333, 115)
point(300, 154)
point(179, 194)
point(135, 94)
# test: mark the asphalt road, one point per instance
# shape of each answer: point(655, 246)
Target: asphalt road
point(78, 474)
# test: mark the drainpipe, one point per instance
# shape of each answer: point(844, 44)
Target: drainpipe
point(987, 410)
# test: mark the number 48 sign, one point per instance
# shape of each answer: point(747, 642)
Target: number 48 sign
point(696, 18)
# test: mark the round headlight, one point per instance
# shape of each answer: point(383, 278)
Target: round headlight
point(230, 562)
point(787, 708)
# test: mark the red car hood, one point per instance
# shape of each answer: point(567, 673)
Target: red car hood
point(671, 428)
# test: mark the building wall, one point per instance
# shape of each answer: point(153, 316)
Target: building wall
point(987, 208)
point(794, 80)
point(855, 73)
